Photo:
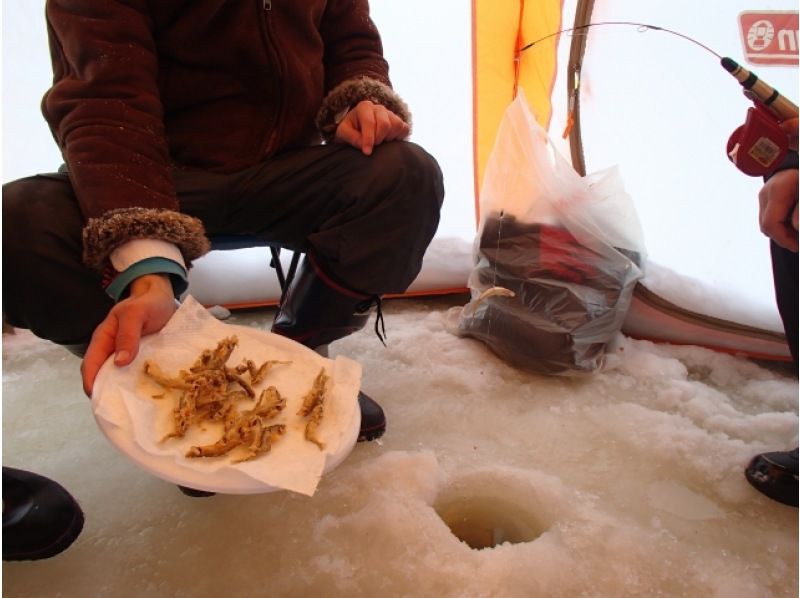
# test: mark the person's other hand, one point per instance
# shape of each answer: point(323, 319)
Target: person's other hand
point(147, 309)
point(368, 125)
point(777, 202)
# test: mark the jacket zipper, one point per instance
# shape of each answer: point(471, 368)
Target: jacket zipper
point(266, 26)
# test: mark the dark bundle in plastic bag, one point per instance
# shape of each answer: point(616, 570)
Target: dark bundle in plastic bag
point(566, 303)
point(557, 255)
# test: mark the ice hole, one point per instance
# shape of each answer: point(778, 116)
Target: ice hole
point(487, 517)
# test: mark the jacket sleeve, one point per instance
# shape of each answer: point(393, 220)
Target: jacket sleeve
point(355, 68)
point(105, 114)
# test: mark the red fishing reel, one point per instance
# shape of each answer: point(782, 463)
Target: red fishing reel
point(759, 146)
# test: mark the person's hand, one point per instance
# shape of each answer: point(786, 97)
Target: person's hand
point(148, 308)
point(777, 202)
point(368, 125)
point(789, 127)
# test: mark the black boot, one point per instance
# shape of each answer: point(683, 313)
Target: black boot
point(316, 311)
point(40, 518)
point(775, 475)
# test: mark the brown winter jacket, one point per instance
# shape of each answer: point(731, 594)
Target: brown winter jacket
point(145, 86)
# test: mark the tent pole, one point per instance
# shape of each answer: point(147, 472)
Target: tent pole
point(583, 15)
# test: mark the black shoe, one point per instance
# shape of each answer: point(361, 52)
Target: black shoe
point(373, 420)
point(194, 493)
point(775, 475)
point(40, 518)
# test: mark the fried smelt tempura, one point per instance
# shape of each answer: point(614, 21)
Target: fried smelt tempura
point(154, 371)
point(183, 413)
point(315, 395)
point(232, 376)
point(270, 403)
point(313, 424)
point(261, 439)
point(257, 374)
point(210, 391)
point(217, 358)
point(313, 408)
point(223, 446)
point(247, 430)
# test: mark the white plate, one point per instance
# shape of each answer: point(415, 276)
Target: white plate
point(226, 479)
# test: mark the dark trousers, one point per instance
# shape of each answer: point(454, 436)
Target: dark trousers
point(785, 277)
point(367, 220)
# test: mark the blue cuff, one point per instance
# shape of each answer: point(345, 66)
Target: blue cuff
point(118, 288)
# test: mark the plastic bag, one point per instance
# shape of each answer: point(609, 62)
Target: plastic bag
point(557, 255)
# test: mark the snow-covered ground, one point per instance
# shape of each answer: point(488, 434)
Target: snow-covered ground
point(626, 483)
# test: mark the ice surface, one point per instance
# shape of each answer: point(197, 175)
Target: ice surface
point(628, 483)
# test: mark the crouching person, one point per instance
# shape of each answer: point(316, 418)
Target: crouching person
point(178, 122)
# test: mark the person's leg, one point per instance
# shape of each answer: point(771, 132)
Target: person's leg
point(785, 278)
point(48, 290)
point(365, 223)
point(775, 474)
point(46, 287)
point(366, 220)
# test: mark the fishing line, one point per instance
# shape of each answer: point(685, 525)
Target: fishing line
point(755, 88)
point(640, 26)
point(578, 30)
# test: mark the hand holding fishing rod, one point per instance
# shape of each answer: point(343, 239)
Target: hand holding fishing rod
point(760, 145)
point(778, 104)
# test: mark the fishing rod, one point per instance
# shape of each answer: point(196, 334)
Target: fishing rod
point(640, 26)
point(757, 146)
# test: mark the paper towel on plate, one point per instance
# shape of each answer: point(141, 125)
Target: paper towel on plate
point(123, 399)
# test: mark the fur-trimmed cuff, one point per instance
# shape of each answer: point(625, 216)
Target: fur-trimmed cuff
point(104, 234)
point(351, 92)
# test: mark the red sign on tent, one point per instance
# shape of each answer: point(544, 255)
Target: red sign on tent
point(769, 37)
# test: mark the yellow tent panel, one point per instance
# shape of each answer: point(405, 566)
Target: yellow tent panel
point(500, 29)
